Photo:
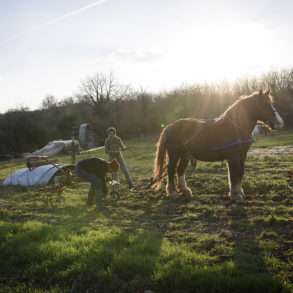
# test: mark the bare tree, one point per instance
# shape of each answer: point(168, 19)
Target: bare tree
point(49, 102)
point(66, 102)
point(100, 88)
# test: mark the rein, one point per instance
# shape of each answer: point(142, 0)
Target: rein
point(233, 143)
point(238, 141)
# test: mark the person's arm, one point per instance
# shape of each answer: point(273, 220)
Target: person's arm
point(122, 145)
point(107, 146)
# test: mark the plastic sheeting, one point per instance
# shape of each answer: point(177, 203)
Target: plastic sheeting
point(83, 134)
point(39, 176)
point(86, 136)
point(55, 147)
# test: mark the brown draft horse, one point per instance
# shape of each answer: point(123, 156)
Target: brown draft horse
point(227, 137)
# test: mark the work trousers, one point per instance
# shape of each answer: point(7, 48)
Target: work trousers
point(97, 191)
point(123, 167)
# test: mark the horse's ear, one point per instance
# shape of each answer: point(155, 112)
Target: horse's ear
point(267, 92)
point(261, 98)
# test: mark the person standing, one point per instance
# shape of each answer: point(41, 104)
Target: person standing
point(94, 170)
point(113, 148)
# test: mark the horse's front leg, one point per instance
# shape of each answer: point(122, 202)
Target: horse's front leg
point(236, 172)
point(172, 166)
point(182, 185)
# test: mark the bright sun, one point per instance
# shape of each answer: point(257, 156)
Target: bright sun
point(201, 55)
point(225, 52)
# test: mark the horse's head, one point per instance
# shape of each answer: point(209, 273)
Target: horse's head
point(266, 112)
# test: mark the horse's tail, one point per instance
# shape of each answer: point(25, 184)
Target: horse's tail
point(160, 161)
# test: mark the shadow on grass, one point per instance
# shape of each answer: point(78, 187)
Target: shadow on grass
point(70, 248)
point(44, 256)
point(248, 257)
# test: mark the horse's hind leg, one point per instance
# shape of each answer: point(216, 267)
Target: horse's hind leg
point(172, 166)
point(182, 186)
point(236, 172)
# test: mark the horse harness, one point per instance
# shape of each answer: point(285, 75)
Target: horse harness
point(237, 142)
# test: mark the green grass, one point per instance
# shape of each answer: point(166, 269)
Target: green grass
point(275, 138)
point(147, 242)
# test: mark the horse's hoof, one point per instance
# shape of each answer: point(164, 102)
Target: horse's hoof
point(186, 192)
point(172, 194)
point(236, 197)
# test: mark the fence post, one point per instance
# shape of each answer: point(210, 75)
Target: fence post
point(73, 145)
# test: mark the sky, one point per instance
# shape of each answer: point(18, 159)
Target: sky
point(50, 47)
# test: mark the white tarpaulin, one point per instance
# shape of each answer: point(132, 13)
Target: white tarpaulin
point(86, 136)
point(55, 147)
point(83, 134)
point(39, 176)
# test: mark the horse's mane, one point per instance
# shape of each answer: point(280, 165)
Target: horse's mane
point(239, 102)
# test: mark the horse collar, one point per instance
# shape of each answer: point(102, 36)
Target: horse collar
point(236, 142)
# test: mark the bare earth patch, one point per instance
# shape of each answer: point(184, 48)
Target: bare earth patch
point(272, 151)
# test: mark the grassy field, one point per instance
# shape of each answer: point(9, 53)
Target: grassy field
point(147, 242)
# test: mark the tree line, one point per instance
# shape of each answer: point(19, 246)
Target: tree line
point(103, 102)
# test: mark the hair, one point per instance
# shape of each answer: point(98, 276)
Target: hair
point(244, 98)
point(111, 129)
point(160, 160)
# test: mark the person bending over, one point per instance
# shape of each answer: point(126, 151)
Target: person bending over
point(94, 170)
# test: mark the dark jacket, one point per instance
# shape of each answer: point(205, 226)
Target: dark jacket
point(94, 166)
